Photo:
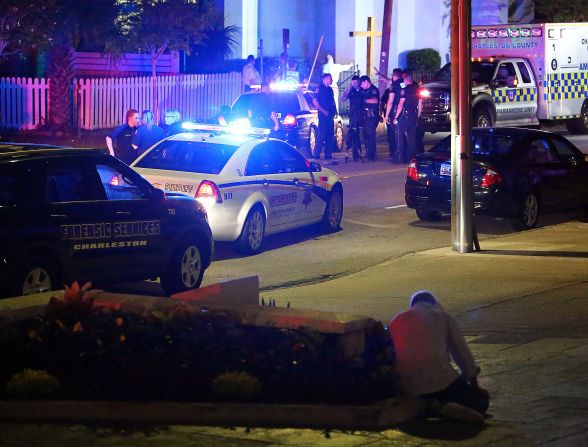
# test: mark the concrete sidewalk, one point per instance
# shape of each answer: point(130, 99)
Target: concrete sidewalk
point(528, 330)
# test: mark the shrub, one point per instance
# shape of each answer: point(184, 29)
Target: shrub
point(31, 383)
point(423, 60)
point(236, 385)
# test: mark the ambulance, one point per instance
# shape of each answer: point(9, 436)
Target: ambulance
point(521, 75)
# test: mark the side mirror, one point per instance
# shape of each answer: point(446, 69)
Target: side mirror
point(315, 167)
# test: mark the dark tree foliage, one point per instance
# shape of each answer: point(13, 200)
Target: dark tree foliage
point(561, 10)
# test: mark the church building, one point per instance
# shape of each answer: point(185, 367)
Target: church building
point(416, 24)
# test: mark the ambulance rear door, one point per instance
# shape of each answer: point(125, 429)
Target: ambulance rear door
point(566, 78)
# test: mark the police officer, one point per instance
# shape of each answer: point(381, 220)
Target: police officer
point(123, 135)
point(371, 115)
point(406, 117)
point(355, 97)
point(390, 102)
point(324, 101)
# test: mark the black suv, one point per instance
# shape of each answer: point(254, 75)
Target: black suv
point(296, 113)
point(80, 214)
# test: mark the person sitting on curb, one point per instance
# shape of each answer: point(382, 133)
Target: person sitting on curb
point(425, 339)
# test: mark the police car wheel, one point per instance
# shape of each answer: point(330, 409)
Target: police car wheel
point(428, 215)
point(253, 232)
point(528, 213)
point(333, 211)
point(185, 270)
point(35, 276)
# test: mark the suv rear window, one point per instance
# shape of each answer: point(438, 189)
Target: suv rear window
point(188, 156)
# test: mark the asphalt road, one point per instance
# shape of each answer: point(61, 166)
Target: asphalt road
point(377, 227)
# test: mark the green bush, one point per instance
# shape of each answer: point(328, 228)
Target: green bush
point(31, 383)
point(236, 385)
point(423, 60)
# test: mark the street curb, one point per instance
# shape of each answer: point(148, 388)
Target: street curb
point(370, 417)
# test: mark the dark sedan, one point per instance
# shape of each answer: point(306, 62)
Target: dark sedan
point(516, 173)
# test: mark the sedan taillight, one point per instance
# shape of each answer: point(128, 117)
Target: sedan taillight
point(412, 172)
point(490, 178)
point(208, 191)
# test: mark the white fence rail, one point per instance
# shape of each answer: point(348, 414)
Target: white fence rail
point(102, 103)
point(24, 103)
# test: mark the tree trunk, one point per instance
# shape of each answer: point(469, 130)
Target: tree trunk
point(60, 89)
point(155, 96)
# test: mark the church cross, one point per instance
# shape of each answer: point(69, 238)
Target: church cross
point(369, 34)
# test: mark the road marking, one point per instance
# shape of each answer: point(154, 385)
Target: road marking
point(394, 207)
point(363, 174)
point(372, 225)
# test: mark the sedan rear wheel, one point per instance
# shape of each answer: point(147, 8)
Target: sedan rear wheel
point(253, 232)
point(529, 212)
point(428, 215)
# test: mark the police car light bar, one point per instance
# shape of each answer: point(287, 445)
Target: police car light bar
point(255, 131)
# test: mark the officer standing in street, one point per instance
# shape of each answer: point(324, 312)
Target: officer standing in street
point(324, 101)
point(355, 97)
point(406, 117)
point(371, 110)
point(390, 111)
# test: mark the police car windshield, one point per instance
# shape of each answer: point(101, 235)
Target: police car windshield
point(188, 156)
point(482, 72)
point(483, 145)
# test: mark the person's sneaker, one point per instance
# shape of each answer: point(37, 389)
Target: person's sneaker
point(453, 410)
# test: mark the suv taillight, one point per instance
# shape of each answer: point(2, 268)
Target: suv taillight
point(289, 120)
point(490, 178)
point(208, 191)
point(412, 172)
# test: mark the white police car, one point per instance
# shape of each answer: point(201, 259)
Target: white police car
point(251, 185)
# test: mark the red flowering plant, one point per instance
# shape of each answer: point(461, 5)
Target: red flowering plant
point(76, 303)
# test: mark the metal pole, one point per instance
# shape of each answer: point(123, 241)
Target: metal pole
point(260, 49)
point(314, 62)
point(461, 172)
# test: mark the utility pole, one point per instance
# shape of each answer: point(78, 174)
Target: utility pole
point(462, 200)
point(385, 47)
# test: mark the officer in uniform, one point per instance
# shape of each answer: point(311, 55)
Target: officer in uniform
point(390, 100)
point(355, 97)
point(324, 101)
point(406, 117)
point(371, 117)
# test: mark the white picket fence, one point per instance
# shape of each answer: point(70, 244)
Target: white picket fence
point(24, 103)
point(101, 103)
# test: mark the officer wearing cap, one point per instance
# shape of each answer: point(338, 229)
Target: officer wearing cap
point(355, 97)
point(406, 117)
point(371, 117)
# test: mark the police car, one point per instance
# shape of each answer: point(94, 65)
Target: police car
point(297, 116)
point(251, 185)
point(79, 214)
